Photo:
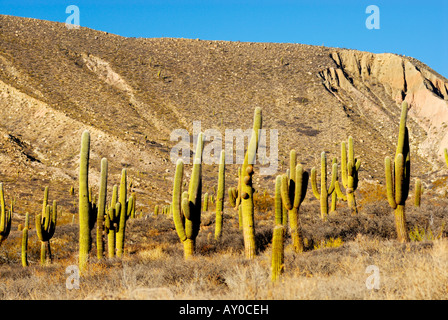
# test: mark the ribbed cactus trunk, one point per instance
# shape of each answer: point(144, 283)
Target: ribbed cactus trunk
point(84, 205)
point(398, 177)
point(101, 209)
point(120, 236)
point(247, 191)
point(324, 190)
point(277, 260)
point(24, 251)
point(220, 197)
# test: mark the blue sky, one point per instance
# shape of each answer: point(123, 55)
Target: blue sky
point(413, 28)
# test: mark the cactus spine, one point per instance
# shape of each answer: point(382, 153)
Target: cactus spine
point(349, 173)
point(5, 218)
point(45, 228)
point(398, 177)
point(324, 190)
point(293, 192)
point(24, 251)
point(186, 206)
point(220, 197)
point(101, 209)
point(84, 203)
point(247, 191)
point(277, 261)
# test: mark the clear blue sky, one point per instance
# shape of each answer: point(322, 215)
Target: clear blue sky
point(413, 28)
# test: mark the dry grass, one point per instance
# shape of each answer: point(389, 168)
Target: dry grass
point(333, 266)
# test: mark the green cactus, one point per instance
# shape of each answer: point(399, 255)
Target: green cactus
point(132, 207)
point(186, 206)
point(101, 209)
point(398, 177)
point(156, 210)
point(324, 190)
point(247, 191)
point(5, 218)
point(205, 206)
point(45, 228)
point(84, 203)
point(293, 192)
point(418, 192)
point(337, 193)
point(220, 196)
point(232, 196)
point(124, 214)
point(278, 203)
point(111, 222)
point(349, 173)
point(24, 251)
point(277, 261)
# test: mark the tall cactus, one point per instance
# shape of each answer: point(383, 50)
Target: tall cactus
point(324, 190)
point(293, 192)
point(398, 177)
point(186, 206)
point(24, 250)
point(247, 191)
point(220, 196)
point(101, 209)
point(5, 217)
point(45, 228)
point(124, 214)
point(84, 203)
point(349, 173)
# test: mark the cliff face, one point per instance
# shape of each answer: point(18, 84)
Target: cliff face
point(378, 82)
point(132, 93)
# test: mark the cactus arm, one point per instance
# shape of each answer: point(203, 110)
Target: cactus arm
point(334, 178)
point(278, 204)
point(401, 145)
point(177, 200)
point(314, 184)
point(339, 192)
point(300, 191)
point(284, 192)
point(344, 164)
point(390, 183)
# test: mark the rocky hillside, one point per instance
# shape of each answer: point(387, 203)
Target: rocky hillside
point(131, 93)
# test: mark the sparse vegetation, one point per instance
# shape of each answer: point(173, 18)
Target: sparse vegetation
point(285, 246)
